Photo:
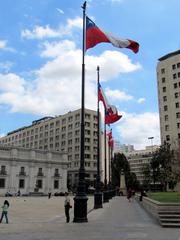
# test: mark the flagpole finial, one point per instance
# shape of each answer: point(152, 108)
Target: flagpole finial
point(84, 5)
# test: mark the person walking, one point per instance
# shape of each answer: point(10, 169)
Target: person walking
point(67, 206)
point(129, 194)
point(5, 207)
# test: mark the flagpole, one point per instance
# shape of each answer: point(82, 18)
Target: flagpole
point(80, 200)
point(105, 197)
point(98, 193)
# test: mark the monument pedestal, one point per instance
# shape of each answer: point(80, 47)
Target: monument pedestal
point(122, 189)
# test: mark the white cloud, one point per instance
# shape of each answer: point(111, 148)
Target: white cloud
point(3, 44)
point(57, 48)
point(6, 66)
point(141, 100)
point(60, 10)
point(117, 95)
point(41, 32)
point(136, 128)
point(57, 85)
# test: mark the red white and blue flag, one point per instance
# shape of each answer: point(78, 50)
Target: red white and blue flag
point(110, 139)
point(111, 112)
point(95, 35)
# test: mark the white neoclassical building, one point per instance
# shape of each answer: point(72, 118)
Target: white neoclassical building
point(31, 170)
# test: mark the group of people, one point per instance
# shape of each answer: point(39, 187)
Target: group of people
point(67, 206)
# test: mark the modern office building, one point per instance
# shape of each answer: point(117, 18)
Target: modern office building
point(168, 79)
point(32, 171)
point(138, 158)
point(61, 133)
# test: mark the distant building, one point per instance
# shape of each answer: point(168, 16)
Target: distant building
point(138, 158)
point(123, 148)
point(168, 78)
point(30, 171)
point(61, 133)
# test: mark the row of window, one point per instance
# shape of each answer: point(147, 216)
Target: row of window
point(167, 126)
point(168, 137)
point(176, 95)
point(77, 157)
point(22, 182)
point(177, 105)
point(174, 66)
point(49, 133)
point(23, 173)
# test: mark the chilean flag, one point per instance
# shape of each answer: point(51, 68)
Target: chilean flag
point(110, 139)
point(111, 113)
point(102, 97)
point(95, 35)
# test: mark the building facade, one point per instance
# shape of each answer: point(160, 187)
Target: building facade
point(168, 79)
point(61, 133)
point(30, 171)
point(138, 158)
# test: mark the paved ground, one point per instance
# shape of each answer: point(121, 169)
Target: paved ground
point(43, 219)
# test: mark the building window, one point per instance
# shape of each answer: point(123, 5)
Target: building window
point(164, 98)
point(174, 66)
point(2, 183)
point(178, 125)
point(178, 65)
point(3, 170)
point(21, 183)
point(165, 108)
point(178, 74)
point(40, 173)
point(164, 89)
point(166, 117)
point(177, 104)
point(174, 76)
point(39, 183)
point(64, 121)
point(176, 95)
point(167, 138)
point(175, 85)
point(178, 135)
point(166, 127)
point(178, 115)
point(56, 172)
point(56, 184)
point(22, 171)
point(163, 70)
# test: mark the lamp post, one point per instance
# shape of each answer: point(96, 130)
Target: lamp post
point(98, 193)
point(80, 200)
point(151, 138)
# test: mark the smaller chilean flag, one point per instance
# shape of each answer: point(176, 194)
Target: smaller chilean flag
point(95, 35)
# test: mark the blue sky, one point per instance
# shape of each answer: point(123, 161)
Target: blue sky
point(40, 61)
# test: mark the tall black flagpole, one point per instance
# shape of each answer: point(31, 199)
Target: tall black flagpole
point(105, 197)
point(80, 200)
point(98, 193)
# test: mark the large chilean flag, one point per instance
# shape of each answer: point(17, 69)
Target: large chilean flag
point(95, 35)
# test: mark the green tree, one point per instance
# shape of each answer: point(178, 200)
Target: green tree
point(120, 164)
point(161, 165)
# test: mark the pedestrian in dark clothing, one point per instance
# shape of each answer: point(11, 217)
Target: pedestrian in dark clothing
point(49, 195)
point(67, 206)
point(5, 207)
point(129, 194)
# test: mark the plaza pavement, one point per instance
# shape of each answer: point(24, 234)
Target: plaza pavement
point(40, 218)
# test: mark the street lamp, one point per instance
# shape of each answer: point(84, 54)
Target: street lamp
point(80, 200)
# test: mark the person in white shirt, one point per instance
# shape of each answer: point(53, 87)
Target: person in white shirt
point(67, 206)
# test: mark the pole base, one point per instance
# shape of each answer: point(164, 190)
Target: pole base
point(98, 200)
point(80, 209)
point(105, 196)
